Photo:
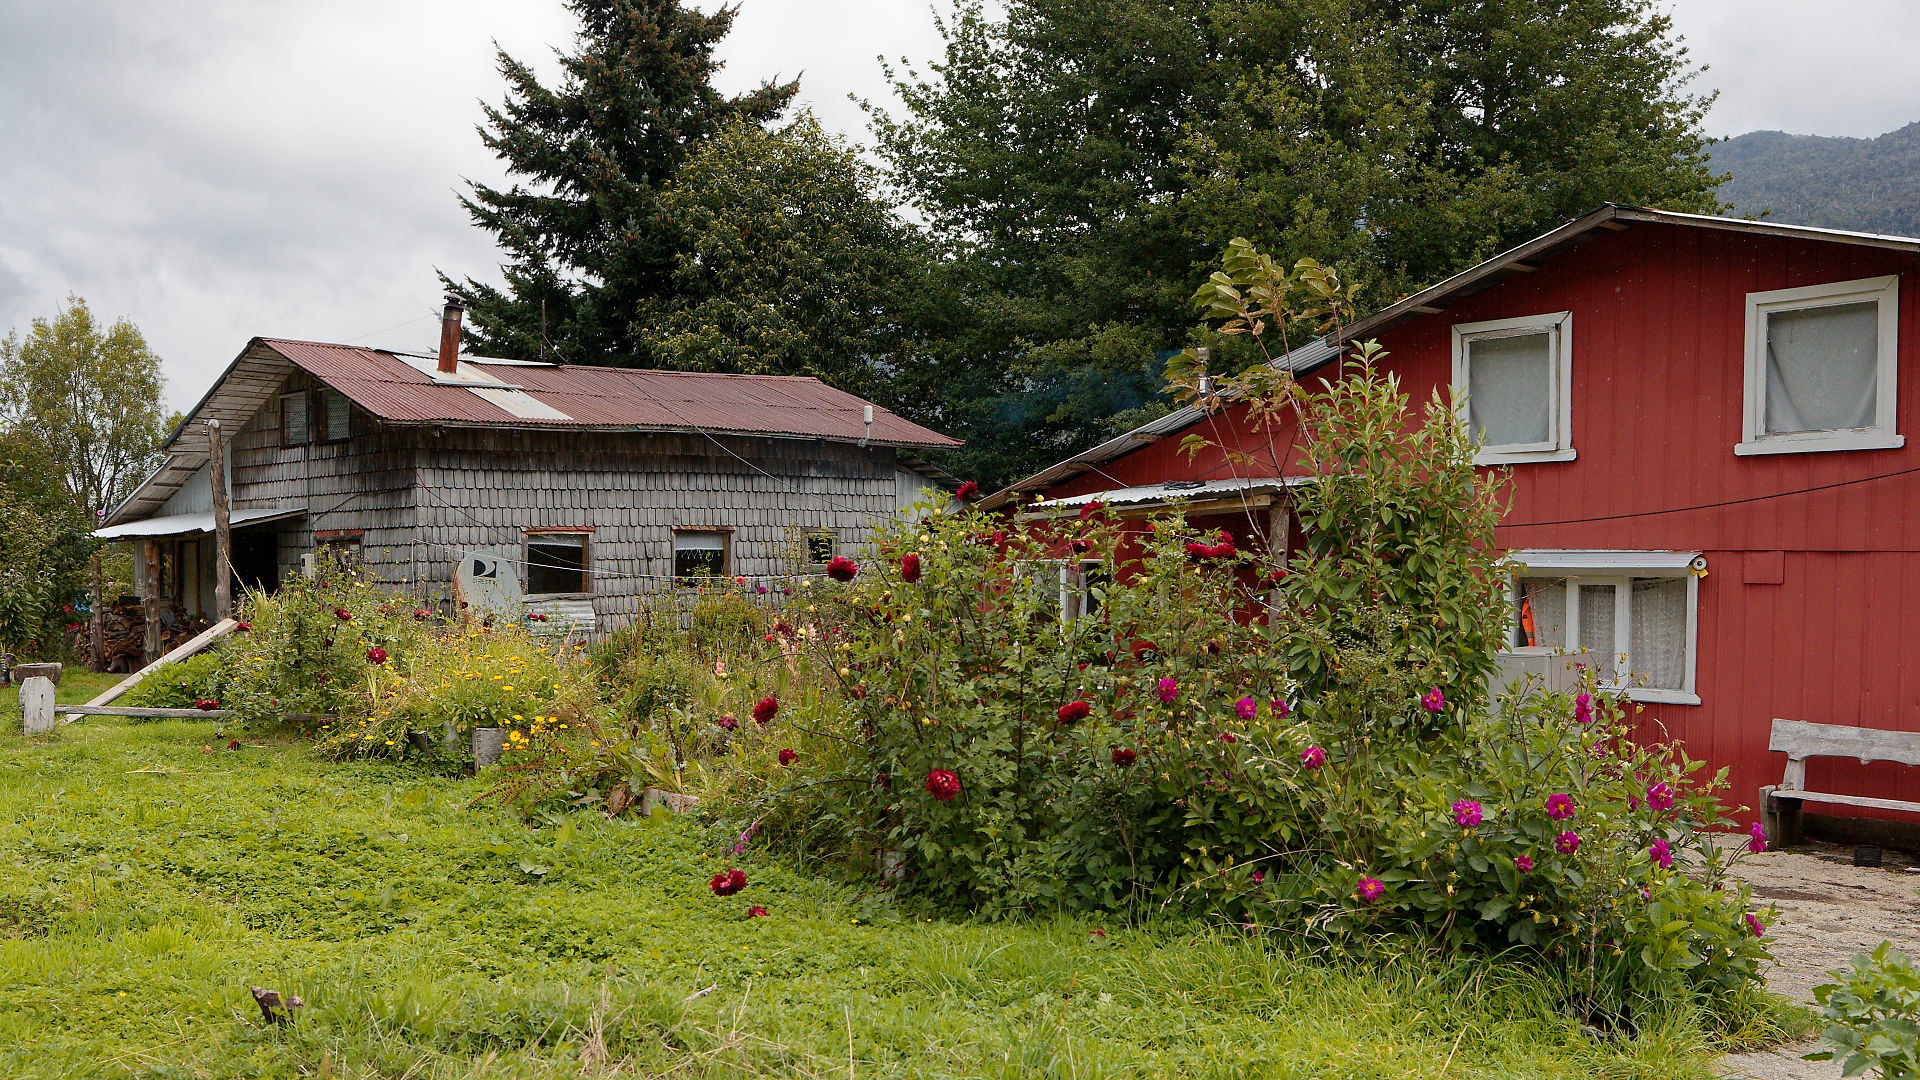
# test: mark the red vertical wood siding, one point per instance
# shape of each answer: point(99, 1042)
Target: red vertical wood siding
point(1659, 368)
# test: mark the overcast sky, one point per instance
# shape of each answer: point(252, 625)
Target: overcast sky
point(219, 169)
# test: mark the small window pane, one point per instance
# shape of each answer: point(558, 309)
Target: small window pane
point(1510, 389)
point(1543, 613)
point(1597, 621)
point(820, 547)
point(293, 420)
point(699, 554)
point(1657, 633)
point(1823, 368)
point(556, 564)
point(337, 414)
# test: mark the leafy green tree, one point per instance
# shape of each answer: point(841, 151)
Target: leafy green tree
point(89, 397)
point(1082, 160)
point(790, 263)
point(587, 242)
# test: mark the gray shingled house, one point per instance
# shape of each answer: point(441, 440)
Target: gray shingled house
point(596, 485)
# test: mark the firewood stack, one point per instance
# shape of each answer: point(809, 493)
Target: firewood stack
point(125, 630)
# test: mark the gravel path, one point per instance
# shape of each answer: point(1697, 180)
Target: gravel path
point(1830, 909)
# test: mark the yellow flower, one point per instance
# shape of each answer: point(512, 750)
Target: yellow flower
point(516, 716)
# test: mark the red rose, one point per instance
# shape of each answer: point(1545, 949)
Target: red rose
point(727, 722)
point(1088, 510)
point(968, 492)
point(242, 627)
point(1074, 710)
point(728, 882)
point(787, 757)
point(376, 655)
point(765, 710)
point(942, 784)
point(1080, 547)
point(206, 704)
point(1123, 756)
point(842, 569)
point(756, 912)
point(909, 568)
point(343, 614)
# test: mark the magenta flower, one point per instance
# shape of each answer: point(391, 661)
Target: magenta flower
point(1660, 797)
point(1758, 841)
point(1754, 924)
point(1583, 708)
point(942, 784)
point(1313, 757)
point(1559, 806)
point(1661, 854)
point(1167, 689)
point(1229, 737)
point(1370, 889)
point(1259, 876)
point(1278, 706)
point(1245, 708)
point(1434, 701)
point(1567, 842)
point(1466, 813)
point(1523, 863)
point(728, 882)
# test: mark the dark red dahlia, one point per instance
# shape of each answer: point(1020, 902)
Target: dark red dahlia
point(1073, 711)
point(728, 882)
point(727, 722)
point(787, 757)
point(842, 569)
point(756, 912)
point(942, 784)
point(910, 568)
point(765, 710)
point(206, 704)
point(968, 492)
point(1123, 756)
point(242, 626)
point(376, 655)
point(343, 614)
point(1080, 547)
point(1092, 508)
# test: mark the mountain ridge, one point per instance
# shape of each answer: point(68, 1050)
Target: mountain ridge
point(1834, 182)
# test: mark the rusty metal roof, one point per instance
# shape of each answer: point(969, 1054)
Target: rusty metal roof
point(387, 386)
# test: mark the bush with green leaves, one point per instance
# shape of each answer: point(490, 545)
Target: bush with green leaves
point(313, 647)
point(1333, 767)
point(183, 684)
point(1873, 1016)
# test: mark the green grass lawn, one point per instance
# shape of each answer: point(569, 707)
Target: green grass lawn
point(149, 876)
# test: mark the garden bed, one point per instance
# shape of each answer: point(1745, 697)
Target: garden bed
point(155, 874)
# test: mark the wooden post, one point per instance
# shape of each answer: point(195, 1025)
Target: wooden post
point(36, 696)
point(97, 624)
point(150, 603)
point(222, 530)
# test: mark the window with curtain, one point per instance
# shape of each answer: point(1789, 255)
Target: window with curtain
point(557, 564)
point(698, 554)
point(1633, 630)
point(1510, 379)
point(1821, 368)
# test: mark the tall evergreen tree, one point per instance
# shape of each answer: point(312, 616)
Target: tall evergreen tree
point(1084, 161)
point(586, 241)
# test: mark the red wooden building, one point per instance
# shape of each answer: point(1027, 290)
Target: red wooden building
point(1705, 421)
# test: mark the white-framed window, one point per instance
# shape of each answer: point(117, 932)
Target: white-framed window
point(1078, 582)
point(1633, 616)
point(1821, 368)
point(1512, 382)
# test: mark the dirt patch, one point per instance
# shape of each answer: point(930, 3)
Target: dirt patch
point(1830, 910)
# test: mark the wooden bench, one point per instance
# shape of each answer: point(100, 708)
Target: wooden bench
point(1799, 740)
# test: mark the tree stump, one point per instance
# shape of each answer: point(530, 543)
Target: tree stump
point(36, 705)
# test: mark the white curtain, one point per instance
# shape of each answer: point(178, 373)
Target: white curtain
point(1823, 368)
point(1547, 599)
point(1596, 629)
point(1510, 388)
point(1657, 632)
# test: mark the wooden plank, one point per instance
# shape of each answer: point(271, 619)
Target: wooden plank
point(1799, 739)
point(137, 710)
point(207, 637)
point(1847, 800)
point(222, 525)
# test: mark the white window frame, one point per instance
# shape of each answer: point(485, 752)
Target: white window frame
point(1882, 435)
point(1559, 326)
point(1619, 569)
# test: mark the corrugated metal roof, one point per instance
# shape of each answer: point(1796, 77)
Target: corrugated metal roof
point(393, 390)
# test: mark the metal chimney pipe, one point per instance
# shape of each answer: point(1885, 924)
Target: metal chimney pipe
point(450, 335)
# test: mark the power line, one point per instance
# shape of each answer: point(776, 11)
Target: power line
point(1713, 505)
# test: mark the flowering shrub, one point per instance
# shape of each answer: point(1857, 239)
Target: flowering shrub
point(1873, 1016)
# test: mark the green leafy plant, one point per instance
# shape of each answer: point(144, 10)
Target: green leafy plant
point(182, 684)
point(1873, 1016)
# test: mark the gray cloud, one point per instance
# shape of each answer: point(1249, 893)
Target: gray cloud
point(217, 169)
